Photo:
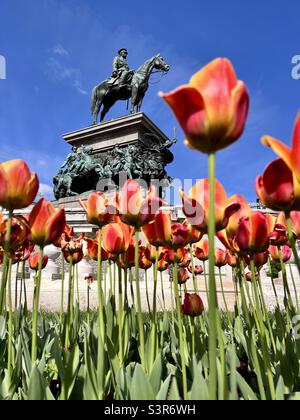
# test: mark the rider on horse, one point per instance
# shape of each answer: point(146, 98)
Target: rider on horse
point(121, 70)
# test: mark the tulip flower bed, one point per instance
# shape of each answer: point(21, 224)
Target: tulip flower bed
point(192, 352)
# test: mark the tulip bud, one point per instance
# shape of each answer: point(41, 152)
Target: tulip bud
point(46, 223)
point(34, 261)
point(193, 305)
point(198, 270)
point(183, 276)
point(18, 186)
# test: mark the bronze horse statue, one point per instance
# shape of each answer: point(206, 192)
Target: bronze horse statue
point(108, 92)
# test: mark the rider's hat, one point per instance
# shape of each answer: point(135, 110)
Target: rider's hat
point(122, 49)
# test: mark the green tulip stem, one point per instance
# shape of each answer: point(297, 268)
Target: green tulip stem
point(193, 270)
point(10, 324)
point(213, 301)
point(162, 290)
point(101, 324)
point(62, 286)
point(36, 298)
point(139, 305)
point(70, 303)
point(120, 314)
point(180, 327)
point(5, 259)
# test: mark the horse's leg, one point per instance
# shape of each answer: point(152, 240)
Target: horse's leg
point(133, 99)
point(96, 112)
point(139, 106)
point(107, 104)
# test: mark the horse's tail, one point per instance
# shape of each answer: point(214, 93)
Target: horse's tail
point(94, 100)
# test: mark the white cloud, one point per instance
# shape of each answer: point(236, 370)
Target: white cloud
point(60, 72)
point(60, 50)
point(45, 190)
point(78, 87)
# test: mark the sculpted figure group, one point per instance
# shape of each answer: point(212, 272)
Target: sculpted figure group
point(81, 171)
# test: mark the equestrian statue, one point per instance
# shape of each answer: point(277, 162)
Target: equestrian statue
point(125, 84)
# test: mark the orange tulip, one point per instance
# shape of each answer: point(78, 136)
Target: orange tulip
point(193, 305)
point(285, 251)
point(252, 234)
point(180, 256)
point(163, 265)
point(150, 252)
point(67, 234)
point(92, 247)
point(278, 189)
point(133, 208)
point(162, 232)
point(19, 232)
point(196, 206)
point(34, 261)
point(289, 156)
point(220, 257)
point(18, 186)
point(259, 259)
point(46, 223)
point(201, 249)
point(183, 276)
point(159, 232)
point(212, 109)
point(116, 237)
point(198, 269)
point(99, 210)
point(295, 220)
point(144, 263)
point(232, 260)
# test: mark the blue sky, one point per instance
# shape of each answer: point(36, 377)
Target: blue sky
point(57, 50)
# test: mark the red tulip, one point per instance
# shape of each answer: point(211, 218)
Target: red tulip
point(150, 252)
point(183, 276)
point(67, 234)
point(232, 260)
point(212, 109)
point(163, 265)
point(18, 186)
point(34, 261)
point(92, 247)
point(285, 251)
point(249, 276)
point(259, 259)
point(144, 262)
point(46, 223)
point(193, 305)
point(19, 232)
point(220, 257)
point(196, 206)
point(180, 255)
point(73, 250)
point(295, 220)
point(162, 232)
point(198, 270)
point(159, 232)
point(289, 156)
point(99, 210)
point(134, 210)
point(277, 188)
point(252, 234)
point(116, 237)
point(201, 250)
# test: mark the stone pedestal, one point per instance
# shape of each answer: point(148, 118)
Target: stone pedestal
point(123, 131)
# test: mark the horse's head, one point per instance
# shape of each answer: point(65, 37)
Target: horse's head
point(160, 64)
